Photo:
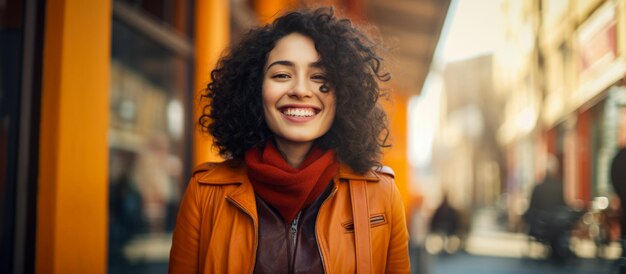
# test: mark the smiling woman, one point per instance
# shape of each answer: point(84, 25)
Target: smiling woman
point(293, 107)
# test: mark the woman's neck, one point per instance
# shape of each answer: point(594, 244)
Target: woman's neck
point(293, 152)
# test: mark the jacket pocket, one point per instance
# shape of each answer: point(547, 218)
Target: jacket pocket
point(375, 220)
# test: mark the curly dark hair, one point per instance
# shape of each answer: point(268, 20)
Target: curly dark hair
point(233, 109)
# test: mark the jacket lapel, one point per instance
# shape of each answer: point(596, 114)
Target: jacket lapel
point(241, 193)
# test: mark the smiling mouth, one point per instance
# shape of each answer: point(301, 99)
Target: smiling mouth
point(299, 112)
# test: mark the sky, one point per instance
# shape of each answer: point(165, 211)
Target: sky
point(474, 28)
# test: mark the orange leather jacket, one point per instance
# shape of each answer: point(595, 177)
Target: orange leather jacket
point(217, 225)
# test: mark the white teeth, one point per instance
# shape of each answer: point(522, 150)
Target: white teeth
point(299, 112)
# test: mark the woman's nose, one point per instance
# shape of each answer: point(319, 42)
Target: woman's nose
point(302, 88)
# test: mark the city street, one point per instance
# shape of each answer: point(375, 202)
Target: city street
point(469, 264)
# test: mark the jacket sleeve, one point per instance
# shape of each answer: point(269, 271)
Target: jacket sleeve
point(185, 242)
point(398, 253)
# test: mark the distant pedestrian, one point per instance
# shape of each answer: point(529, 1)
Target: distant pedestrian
point(618, 179)
point(446, 219)
point(548, 216)
point(549, 193)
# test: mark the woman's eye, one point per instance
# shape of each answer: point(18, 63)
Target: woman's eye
point(320, 78)
point(280, 76)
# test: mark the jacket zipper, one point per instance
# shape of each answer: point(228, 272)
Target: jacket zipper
point(294, 229)
point(319, 249)
point(291, 243)
point(256, 230)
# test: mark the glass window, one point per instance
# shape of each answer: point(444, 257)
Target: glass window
point(21, 47)
point(149, 144)
point(11, 37)
point(173, 13)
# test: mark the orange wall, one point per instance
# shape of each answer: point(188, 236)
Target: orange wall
point(268, 10)
point(211, 37)
point(396, 157)
point(72, 199)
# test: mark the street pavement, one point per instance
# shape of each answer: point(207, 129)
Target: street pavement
point(489, 249)
point(471, 264)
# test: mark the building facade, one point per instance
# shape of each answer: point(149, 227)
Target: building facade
point(562, 70)
point(97, 121)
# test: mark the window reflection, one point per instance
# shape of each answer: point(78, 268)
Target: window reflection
point(147, 147)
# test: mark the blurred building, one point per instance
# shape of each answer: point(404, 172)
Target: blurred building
point(466, 141)
point(562, 73)
point(97, 117)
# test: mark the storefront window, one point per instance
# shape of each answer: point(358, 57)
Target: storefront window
point(21, 47)
point(149, 141)
point(11, 37)
point(606, 128)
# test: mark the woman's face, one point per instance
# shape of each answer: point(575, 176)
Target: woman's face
point(295, 109)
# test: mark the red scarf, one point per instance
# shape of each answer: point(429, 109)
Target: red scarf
point(284, 187)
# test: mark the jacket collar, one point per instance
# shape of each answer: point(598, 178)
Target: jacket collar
point(226, 173)
point(229, 173)
point(346, 173)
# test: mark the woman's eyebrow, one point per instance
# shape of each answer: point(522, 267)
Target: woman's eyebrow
point(281, 62)
point(317, 64)
point(291, 64)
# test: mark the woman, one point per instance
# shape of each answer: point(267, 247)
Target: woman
point(293, 108)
